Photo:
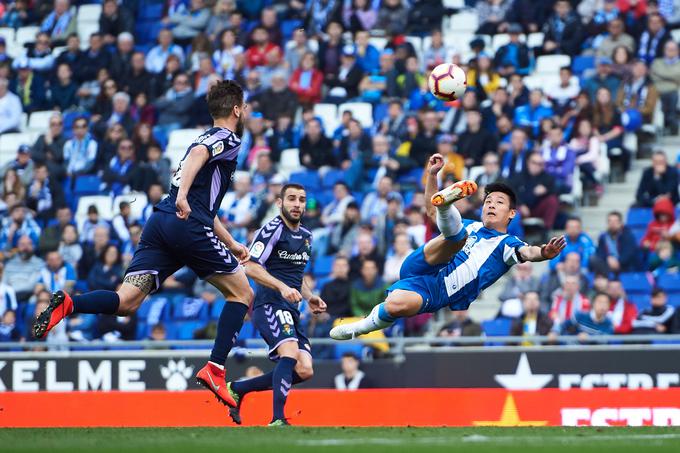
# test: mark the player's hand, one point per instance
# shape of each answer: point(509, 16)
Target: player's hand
point(317, 305)
point(292, 295)
point(240, 251)
point(435, 164)
point(553, 247)
point(183, 208)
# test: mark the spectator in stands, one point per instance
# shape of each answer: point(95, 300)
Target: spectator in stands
point(368, 57)
point(554, 278)
point(617, 249)
point(218, 18)
point(94, 242)
point(80, 152)
point(622, 63)
point(12, 184)
point(533, 321)
point(62, 95)
point(653, 39)
point(95, 58)
point(306, 81)
point(491, 171)
point(529, 116)
point(57, 274)
point(129, 247)
point(22, 271)
point(658, 229)
point(18, 14)
point(460, 326)
point(359, 15)
point(8, 328)
point(622, 312)
point(513, 160)
point(658, 180)
point(658, 318)
point(368, 290)
point(475, 142)
point(491, 16)
point(121, 58)
point(8, 297)
point(330, 50)
point(228, 57)
point(665, 72)
point(393, 18)
point(394, 124)
point(577, 242)
point(174, 108)
point(513, 57)
point(138, 79)
point(638, 94)
point(520, 282)
point(282, 100)
point(39, 58)
point(49, 148)
point(18, 224)
point(603, 78)
point(375, 203)
point(44, 194)
point(334, 212)
point(120, 168)
point(343, 233)
point(568, 300)
point(351, 378)
point(72, 55)
point(114, 21)
point(89, 228)
point(162, 81)
point(607, 123)
point(10, 109)
point(344, 83)
point(158, 55)
point(381, 82)
point(562, 93)
point(366, 249)
point(51, 234)
point(238, 207)
point(402, 248)
point(60, 23)
point(536, 191)
point(315, 147)
point(336, 292)
point(590, 323)
point(69, 248)
point(256, 55)
point(188, 23)
point(483, 78)
point(107, 273)
point(560, 160)
point(22, 165)
point(587, 148)
point(615, 37)
point(563, 31)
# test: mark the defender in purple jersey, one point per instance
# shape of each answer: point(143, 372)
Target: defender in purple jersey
point(184, 230)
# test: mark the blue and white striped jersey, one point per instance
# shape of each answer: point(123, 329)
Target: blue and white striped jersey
point(212, 180)
point(486, 256)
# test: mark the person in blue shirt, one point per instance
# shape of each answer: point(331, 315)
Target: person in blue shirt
point(585, 324)
point(530, 115)
point(577, 241)
point(514, 57)
point(454, 267)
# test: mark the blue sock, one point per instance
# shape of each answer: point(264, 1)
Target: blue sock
point(228, 327)
point(383, 315)
point(458, 236)
point(259, 383)
point(282, 381)
point(104, 302)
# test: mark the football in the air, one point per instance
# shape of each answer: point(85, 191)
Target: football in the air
point(447, 82)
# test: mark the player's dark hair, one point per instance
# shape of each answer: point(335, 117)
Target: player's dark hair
point(502, 188)
point(223, 97)
point(290, 185)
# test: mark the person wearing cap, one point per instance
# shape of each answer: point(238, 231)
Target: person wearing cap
point(345, 84)
point(22, 164)
point(10, 109)
point(513, 57)
point(603, 78)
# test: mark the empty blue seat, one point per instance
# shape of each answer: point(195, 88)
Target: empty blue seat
point(150, 10)
point(497, 327)
point(669, 283)
point(636, 283)
point(309, 179)
point(153, 310)
point(87, 185)
point(674, 300)
point(638, 233)
point(216, 308)
point(289, 26)
point(324, 198)
point(331, 177)
point(188, 308)
point(641, 301)
point(639, 217)
point(184, 330)
point(323, 265)
point(247, 331)
point(580, 63)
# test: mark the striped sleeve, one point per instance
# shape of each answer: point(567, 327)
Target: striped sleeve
point(511, 247)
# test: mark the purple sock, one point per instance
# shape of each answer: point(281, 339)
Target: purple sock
point(104, 302)
point(259, 383)
point(282, 381)
point(228, 327)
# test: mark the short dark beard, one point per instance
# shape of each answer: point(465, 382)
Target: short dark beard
point(240, 126)
point(286, 215)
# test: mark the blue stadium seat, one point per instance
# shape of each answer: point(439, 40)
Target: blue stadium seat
point(185, 329)
point(149, 10)
point(189, 308)
point(638, 233)
point(413, 178)
point(309, 179)
point(497, 327)
point(379, 112)
point(331, 177)
point(580, 63)
point(87, 185)
point(636, 283)
point(324, 198)
point(669, 283)
point(323, 266)
point(153, 309)
point(641, 301)
point(674, 300)
point(216, 308)
point(288, 27)
point(639, 217)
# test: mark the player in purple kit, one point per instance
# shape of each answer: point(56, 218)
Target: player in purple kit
point(184, 230)
point(278, 256)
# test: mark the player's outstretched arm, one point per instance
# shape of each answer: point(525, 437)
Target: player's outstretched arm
point(262, 277)
point(434, 165)
point(198, 156)
point(545, 252)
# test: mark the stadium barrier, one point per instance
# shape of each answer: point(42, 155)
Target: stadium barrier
point(389, 407)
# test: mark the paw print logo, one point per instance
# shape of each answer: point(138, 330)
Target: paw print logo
point(176, 375)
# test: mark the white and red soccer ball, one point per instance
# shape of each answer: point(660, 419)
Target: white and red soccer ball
point(447, 82)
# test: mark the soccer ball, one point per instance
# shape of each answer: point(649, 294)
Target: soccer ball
point(447, 82)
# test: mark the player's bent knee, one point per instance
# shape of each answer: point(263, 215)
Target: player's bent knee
point(401, 307)
point(306, 372)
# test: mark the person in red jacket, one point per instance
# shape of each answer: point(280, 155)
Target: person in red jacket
point(256, 55)
point(621, 311)
point(306, 80)
point(664, 216)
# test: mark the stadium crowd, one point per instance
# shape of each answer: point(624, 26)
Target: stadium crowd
point(115, 103)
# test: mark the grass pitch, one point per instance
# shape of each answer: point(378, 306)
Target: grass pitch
point(292, 439)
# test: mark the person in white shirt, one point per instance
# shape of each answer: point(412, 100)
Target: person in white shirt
point(334, 212)
point(402, 249)
point(238, 207)
point(10, 109)
point(8, 298)
point(155, 59)
point(80, 152)
point(564, 91)
point(351, 378)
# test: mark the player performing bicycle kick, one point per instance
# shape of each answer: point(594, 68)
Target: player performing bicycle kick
point(453, 268)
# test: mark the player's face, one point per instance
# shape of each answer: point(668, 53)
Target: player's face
point(496, 212)
point(292, 205)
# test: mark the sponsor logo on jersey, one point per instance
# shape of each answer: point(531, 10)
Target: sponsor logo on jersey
point(218, 148)
point(257, 249)
point(284, 255)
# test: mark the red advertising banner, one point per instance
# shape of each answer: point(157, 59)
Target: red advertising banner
point(380, 407)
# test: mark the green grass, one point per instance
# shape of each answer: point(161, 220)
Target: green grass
point(290, 439)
